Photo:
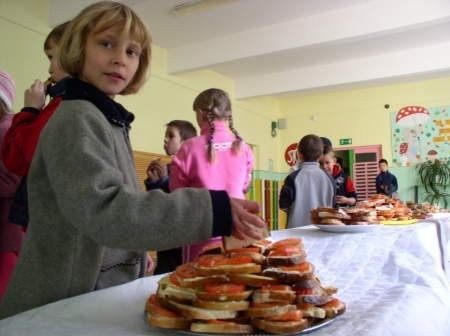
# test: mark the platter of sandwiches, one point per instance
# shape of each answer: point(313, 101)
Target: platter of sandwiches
point(264, 288)
point(345, 219)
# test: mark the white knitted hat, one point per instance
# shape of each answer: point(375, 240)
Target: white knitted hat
point(7, 89)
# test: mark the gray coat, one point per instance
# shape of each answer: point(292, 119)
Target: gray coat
point(90, 224)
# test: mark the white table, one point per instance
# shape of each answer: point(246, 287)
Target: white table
point(392, 280)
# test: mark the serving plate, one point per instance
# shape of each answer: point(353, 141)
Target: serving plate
point(399, 222)
point(304, 331)
point(348, 228)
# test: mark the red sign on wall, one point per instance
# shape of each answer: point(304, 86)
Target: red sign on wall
point(290, 154)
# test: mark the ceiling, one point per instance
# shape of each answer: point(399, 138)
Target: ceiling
point(284, 47)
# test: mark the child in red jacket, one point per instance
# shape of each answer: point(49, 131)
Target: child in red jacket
point(22, 137)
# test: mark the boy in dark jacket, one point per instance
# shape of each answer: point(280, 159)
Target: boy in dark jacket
point(177, 132)
point(386, 182)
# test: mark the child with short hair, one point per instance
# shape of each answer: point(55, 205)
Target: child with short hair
point(345, 190)
point(309, 187)
point(385, 182)
point(10, 235)
point(217, 159)
point(177, 132)
point(22, 137)
point(90, 224)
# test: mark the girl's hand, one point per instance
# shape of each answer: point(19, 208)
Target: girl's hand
point(246, 222)
point(35, 95)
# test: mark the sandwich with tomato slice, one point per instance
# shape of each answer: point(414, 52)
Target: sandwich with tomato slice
point(207, 265)
point(160, 316)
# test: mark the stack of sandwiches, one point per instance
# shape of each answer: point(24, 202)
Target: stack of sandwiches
point(265, 286)
point(344, 216)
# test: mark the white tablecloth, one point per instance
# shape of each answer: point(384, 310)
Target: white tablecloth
point(392, 280)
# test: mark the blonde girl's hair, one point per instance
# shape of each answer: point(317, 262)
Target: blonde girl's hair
point(216, 105)
point(95, 19)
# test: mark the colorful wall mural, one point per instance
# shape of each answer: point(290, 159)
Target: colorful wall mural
point(420, 134)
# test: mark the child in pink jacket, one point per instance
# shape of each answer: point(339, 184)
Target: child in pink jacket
point(218, 159)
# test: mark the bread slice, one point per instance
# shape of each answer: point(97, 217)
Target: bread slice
point(280, 327)
point(334, 307)
point(252, 280)
point(309, 310)
point(202, 313)
point(289, 275)
point(268, 311)
point(229, 269)
point(222, 305)
point(221, 328)
point(261, 295)
point(224, 296)
point(272, 260)
point(231, 242)
point(168, 322)
point(201, 281)
point(168, 290)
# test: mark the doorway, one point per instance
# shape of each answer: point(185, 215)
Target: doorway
point(361, 164)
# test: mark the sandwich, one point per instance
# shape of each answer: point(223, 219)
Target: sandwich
point(207, 265)
point(161, 317)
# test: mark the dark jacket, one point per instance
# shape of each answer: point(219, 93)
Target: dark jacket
point(387, 179)
point(166, 260)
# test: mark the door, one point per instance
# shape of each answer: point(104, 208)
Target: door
point(364, 167)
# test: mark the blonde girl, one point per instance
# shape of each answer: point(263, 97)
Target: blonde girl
point(90, 224)
point(218, 159)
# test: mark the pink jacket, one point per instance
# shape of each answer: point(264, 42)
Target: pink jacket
point(230, 172)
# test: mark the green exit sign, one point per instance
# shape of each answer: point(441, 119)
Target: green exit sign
point(347, 141)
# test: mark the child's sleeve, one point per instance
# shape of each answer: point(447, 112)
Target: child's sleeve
point(287, 193)
point(20, 142)
point(350, 190)
point(178, 176)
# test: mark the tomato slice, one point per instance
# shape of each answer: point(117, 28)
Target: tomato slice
point(238, 260)
point(217, 260)
point(287, 241)
point(285, 250)
point(245, 250)
point(225, 288)
point(292, 315)
point(186, 271)
point(333, 303)
point(174, 279)
point(302, 267)
point(276, 287)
